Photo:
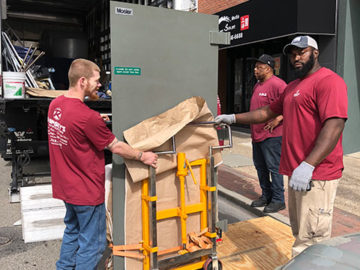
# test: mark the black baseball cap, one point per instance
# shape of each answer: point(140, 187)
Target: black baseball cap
point(266, 59)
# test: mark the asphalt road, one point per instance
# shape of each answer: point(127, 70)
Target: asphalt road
point(16, 255)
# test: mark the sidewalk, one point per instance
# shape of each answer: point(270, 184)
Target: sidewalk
point(238, 181)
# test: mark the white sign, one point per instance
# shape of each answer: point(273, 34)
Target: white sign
point(124, 11)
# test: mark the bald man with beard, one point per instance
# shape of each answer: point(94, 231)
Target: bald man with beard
point(314, 107)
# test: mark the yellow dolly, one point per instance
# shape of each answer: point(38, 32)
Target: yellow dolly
point(201, 259)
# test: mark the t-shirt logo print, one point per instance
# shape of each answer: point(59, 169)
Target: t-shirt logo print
point(57, 114)
point(297, 93)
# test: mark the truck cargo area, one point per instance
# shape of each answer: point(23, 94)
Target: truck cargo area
point(42, 38)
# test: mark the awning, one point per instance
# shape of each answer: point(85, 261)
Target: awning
point(260, 20)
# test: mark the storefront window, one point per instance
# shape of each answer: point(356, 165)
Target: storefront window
point(250, 82)
point(238, 85)
point(244, 82)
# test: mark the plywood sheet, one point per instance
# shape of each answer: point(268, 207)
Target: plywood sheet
point(261, 243)
point(38, 92)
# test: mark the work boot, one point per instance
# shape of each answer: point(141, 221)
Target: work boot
point(259, 202)
point(274, 207)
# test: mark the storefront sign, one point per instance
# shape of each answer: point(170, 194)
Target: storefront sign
point(260, 20)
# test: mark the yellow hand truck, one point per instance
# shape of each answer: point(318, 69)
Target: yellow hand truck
point(207, 207)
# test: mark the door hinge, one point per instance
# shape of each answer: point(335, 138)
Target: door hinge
point(219, 38)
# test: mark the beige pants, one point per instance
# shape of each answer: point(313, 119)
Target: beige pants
point(311, 213)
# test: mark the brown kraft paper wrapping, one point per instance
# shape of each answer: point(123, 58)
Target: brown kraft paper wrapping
point(154, 134)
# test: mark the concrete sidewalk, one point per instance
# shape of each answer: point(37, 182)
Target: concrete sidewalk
point(238, 181)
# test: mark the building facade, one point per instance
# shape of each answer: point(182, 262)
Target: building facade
point(262, 26)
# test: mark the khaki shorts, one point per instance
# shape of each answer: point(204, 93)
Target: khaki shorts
point(311, 213)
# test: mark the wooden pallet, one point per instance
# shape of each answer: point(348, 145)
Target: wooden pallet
point(261, 243)
point(41, 215)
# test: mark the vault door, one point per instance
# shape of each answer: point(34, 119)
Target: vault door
point(159, 57)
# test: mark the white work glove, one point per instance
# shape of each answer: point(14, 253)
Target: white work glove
point(301, 177)
point(225, 118)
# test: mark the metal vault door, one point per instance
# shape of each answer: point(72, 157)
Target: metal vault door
point(159, 57)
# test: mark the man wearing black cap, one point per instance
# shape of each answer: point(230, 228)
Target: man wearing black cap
point(266, 137)
point(314, 107)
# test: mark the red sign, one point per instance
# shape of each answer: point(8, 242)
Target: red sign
point(244, 22)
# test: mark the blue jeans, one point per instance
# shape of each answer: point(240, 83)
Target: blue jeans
point(84, 237)
point(266, 157)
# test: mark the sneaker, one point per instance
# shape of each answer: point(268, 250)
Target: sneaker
point(274, 207)
point(259, 202)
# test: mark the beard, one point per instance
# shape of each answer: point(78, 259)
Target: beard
point(93, 96)
point(260, 77)
point(302, 72)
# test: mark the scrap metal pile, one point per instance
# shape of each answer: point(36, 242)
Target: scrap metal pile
point(13, 62)
point(35, 77)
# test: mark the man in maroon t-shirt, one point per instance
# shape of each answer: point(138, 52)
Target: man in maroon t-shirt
point(314, 107)
point(77, 139)
point(266, 137)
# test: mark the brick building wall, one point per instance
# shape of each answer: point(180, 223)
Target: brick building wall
point(213, 6)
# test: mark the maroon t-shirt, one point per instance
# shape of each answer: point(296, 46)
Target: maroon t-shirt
point(305, 105)
point(77, 138)
point(265, 93)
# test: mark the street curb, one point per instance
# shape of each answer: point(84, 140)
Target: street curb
point(245, 203)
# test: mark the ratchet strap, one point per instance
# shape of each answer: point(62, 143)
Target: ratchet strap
point(122, 250)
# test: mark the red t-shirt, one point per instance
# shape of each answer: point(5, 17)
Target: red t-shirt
point(265, 93)
point(305, 105)
point(77, 138)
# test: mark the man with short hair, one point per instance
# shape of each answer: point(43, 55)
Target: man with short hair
point(266, 137)
point(314, 107)
point(77, 139)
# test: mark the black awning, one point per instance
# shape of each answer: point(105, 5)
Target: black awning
point(259, 20)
